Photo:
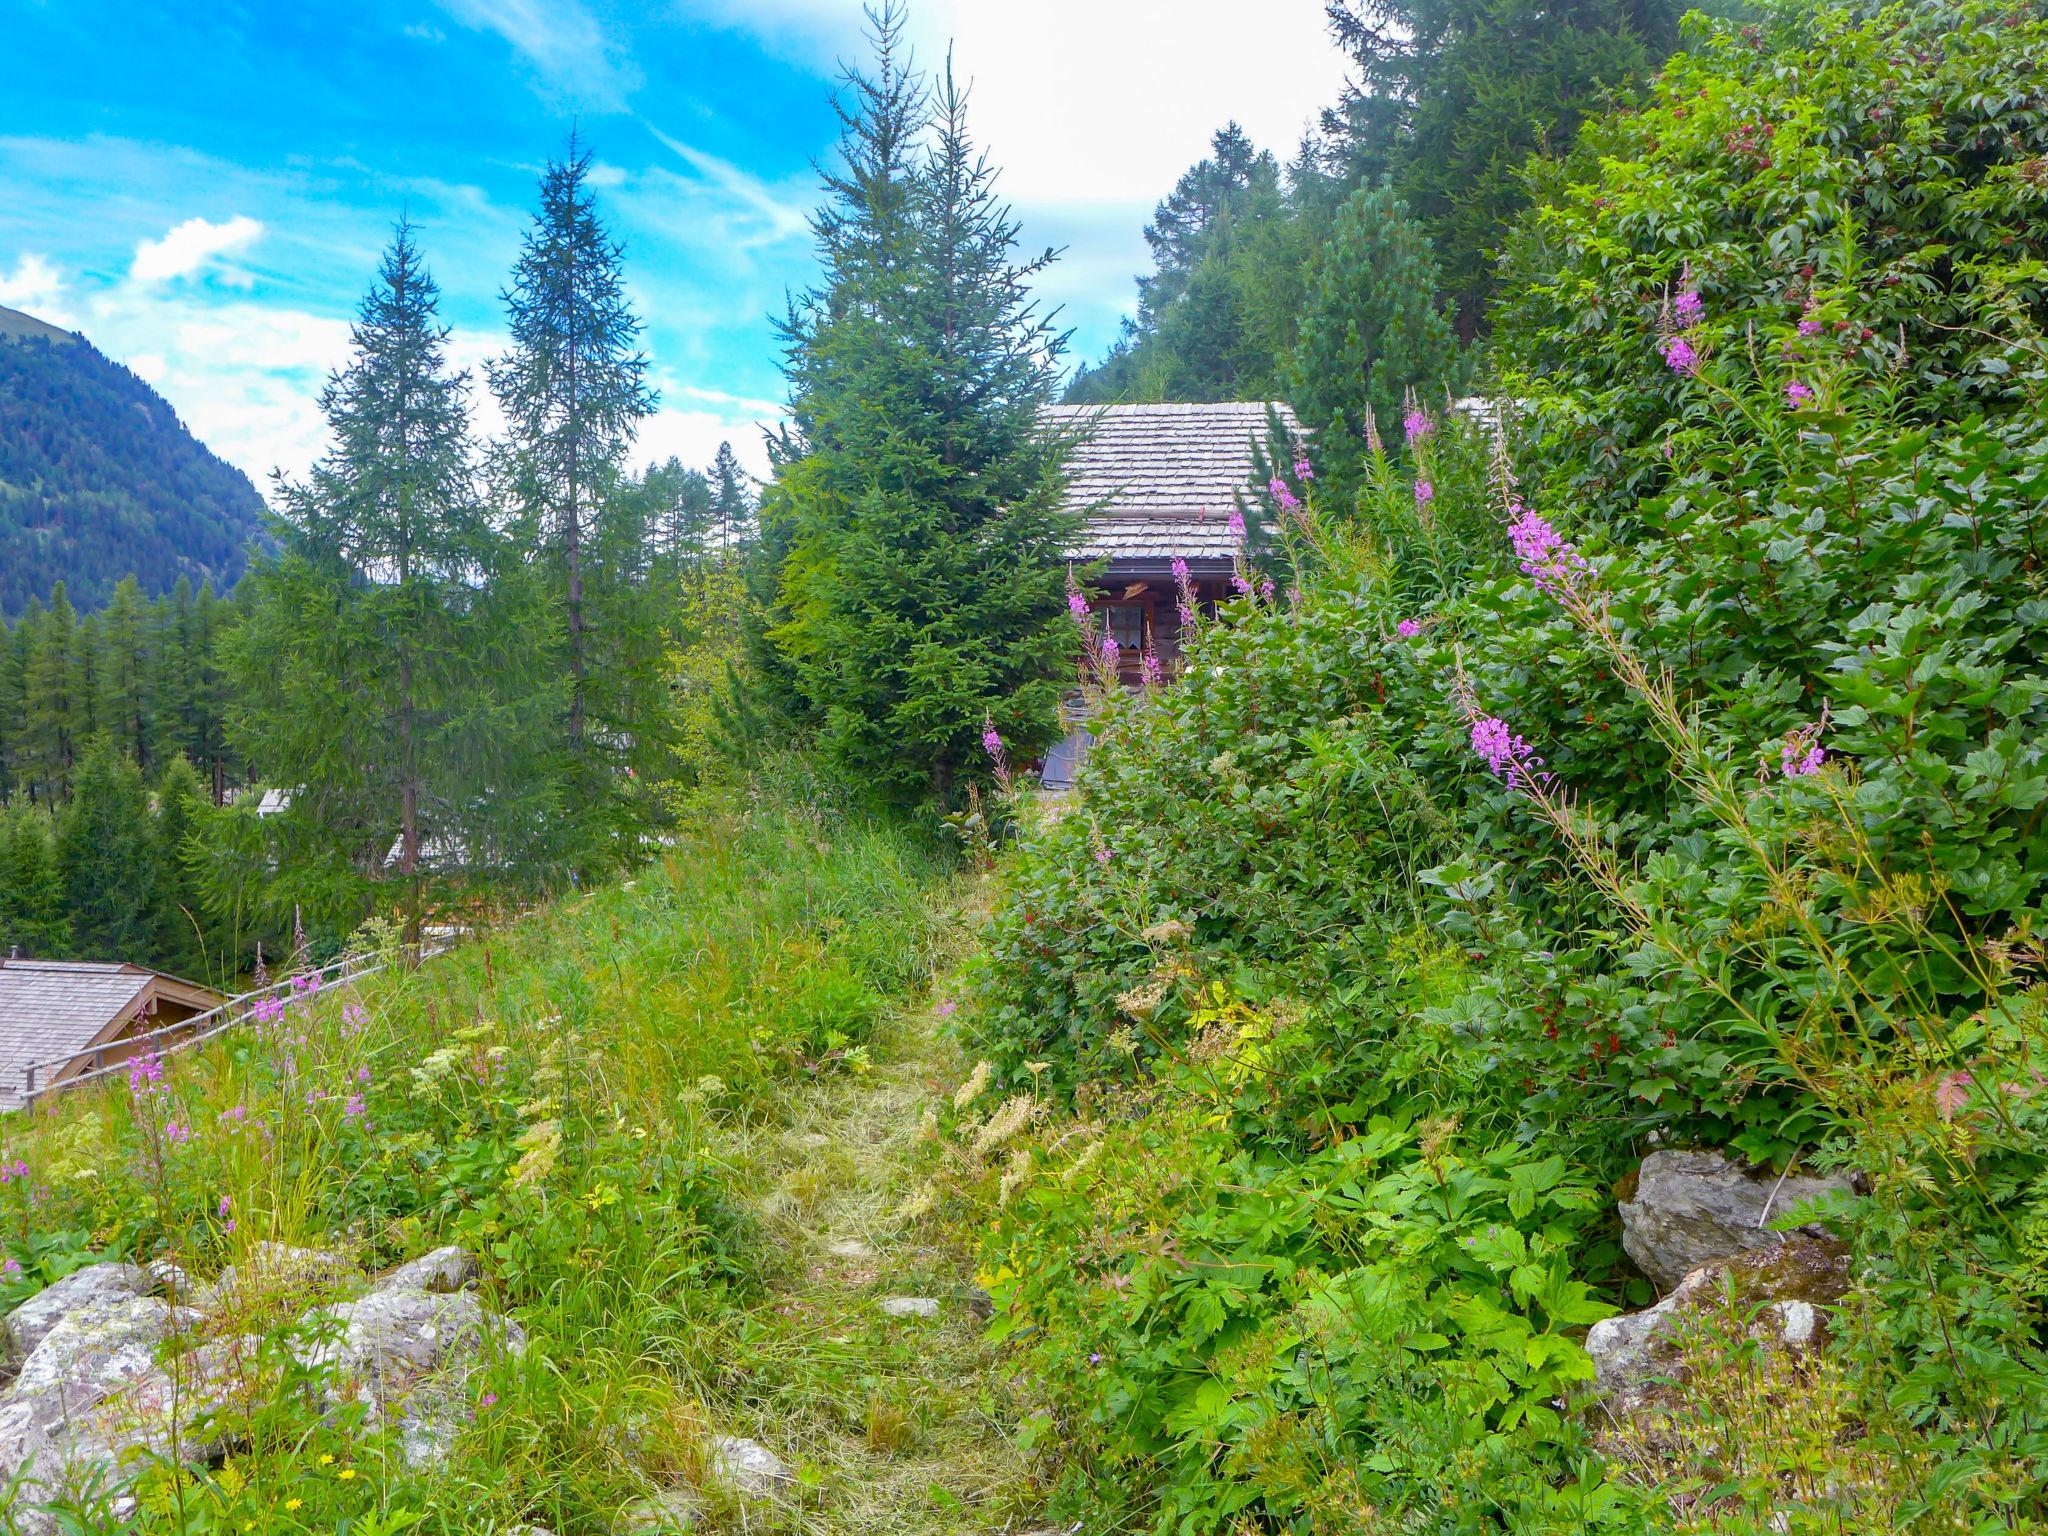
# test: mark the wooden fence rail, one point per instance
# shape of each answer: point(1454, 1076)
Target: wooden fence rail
point(201, 1027)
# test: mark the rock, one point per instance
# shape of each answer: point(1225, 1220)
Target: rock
point(1775, 1298)
point(660, 1514)
point(908, 1306)
point(851, 1249)
point(748, 1467)
point(92, 1352)
point(1696, 1208)
point(96, 1287)
point(280, 1270)
point(445, 1269)
point(980, 1305)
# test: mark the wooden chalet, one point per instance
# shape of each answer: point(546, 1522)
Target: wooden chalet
point(1156, 483)
point(69, 1016)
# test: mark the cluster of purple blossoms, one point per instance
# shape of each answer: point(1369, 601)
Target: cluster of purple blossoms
point(1234, 525)
point(1416, 425)
point(1304, 471)
point(1287, 499)
point(11, 1268)
point(1688, 310)
point(267, 1010)
point(1808, 326)
point(306, 985)
point(1154, 672)
point(1679, 355)
point(353, 1018)
point(1408, 629)
point(1184, 584)
point(355, 1108)
point(1425, 493)
point(1268, 590)
point(1110, 653)
point(1077, 605)
point(1241, 583)
point(146, 1075)
point(1797, 393)
point(1548, 558)
point(177, 1133)
point(1800, 756)
point(1102, 855)
point(1507, 756)
point(16, 1170)
point(991, 740)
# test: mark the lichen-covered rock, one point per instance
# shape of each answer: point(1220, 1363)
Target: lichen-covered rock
point(748, 1467)
point(445, 1269)
point(668, 1513)
point(1774, 1299)
point(278, 1270)
point(94, 1288)
point(1695, 1208)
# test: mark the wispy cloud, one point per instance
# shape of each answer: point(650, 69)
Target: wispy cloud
point(775, 217)
point(562, 41)
point(190, 246)
point(36, 286)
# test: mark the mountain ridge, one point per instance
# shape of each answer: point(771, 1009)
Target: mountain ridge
point(100, 478)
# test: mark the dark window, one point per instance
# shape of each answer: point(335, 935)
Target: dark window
point(1126, 622)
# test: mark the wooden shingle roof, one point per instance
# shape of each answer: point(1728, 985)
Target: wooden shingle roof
point(1160, 480)
point(54, 1009)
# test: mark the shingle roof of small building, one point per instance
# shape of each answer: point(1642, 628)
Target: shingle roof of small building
point(51, 1010)
point(1160, 480)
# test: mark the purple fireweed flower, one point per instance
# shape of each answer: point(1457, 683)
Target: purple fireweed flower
point(1243, 586)
point(991, 740)
point(177, 1133)
point(1287, 499)
point(1102, 855)
point(1110, 652)
point(354, 1015)
point(1425, 493)
point(1416, 425)
point(1507, 756)
point(226, 1204)
point(1303, 470)
point(11, 1268)
point(1408, 629)
point(1154, 672)
point(1680, 357)
point(1235, 525)
point(363, 1076)
point(1808, 326)
point(12, 1171)
point(1181, 577)
point(146, 1074)
point(1267, 590)
point(1077, 605)
point(1797, 393)
point(946, 1008)
point(355, 1108)
point(1689, 310)
point(306, 985)
point(489, 1399)
point(267, 1010)
point(1546, 555)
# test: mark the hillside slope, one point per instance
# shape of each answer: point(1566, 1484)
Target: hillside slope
point(99, 479)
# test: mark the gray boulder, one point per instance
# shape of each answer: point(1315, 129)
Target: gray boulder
point(1777, 1299)
point(748, 1467)
point(94, 1288)
point(445, 1269)
point(1695, 1208)
point(908, 1306)
point(280, 1271)
point(667, 1513)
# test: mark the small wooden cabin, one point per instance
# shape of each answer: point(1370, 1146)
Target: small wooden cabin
point(78, 1014)
point(1156, 483)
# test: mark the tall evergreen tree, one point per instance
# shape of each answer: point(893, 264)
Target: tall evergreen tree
point(732, 510)
point(51, 713)
point(32, 916)
point(1372, 331)
point(574, 390)
point(1451, 98)
point(180, 940)
point(107, 851)
point(921, 580)
point(407, 698)
point(123, 677)
point(15, 641)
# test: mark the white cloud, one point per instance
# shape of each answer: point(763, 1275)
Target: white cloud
point(694, 436)
point(190, 246)
point(36, 287)
point(563, 41)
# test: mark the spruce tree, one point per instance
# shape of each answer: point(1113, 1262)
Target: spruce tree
point(15, 641)
point(32, 917)
point(574, 392)
point(921, 577)
point(180, 803)
point(731, 507)
point(108, 854)
point(1373, 329)
point(380, 677)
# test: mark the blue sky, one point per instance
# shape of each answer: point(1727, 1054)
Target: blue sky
point(204, 190)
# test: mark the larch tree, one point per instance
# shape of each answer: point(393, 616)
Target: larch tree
point(732, 509)
point(107, 852)
point(380, 678)
point(574, 391)
point(32, 915)
point(123, 676)
point(917, 510)
point(51, 712)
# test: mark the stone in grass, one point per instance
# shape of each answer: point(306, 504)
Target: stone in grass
point(95, 1288)
point(748, 1467)
point(659, 1514)
point(1695, 1208)
point(908, 1306)
point(445, 1269)
point(851, 1249)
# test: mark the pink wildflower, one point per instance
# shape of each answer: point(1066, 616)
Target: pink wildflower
point(1102, 855)
point(1408, 629)
point(946, 1008)
point(1689, 310)
point(1506, 755)
point(1303, 470)
point(1287, 499)
point(1242, 585)
point(1110, 653)
point(355, 1108)
point(1267, 590)
point(1801, 760)
point(1235, 525)
point(1680, 357)
point(1546, 555)
point(1416, 425)
point(177, 1133)
point(1425, 493)
point(11, 1268)
point(146, 1074)
point(991, 740)
point(1077, 605)
point(227, 1204)
point(9, 1172)
point(1797, 393)
point(1808, 326)
point(1154, 672)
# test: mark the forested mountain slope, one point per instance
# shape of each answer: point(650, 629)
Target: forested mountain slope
point(99, 478)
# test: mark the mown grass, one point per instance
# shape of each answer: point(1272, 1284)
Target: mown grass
point(650, 1110)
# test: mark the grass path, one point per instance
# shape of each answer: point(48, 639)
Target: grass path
point(895, 1425)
